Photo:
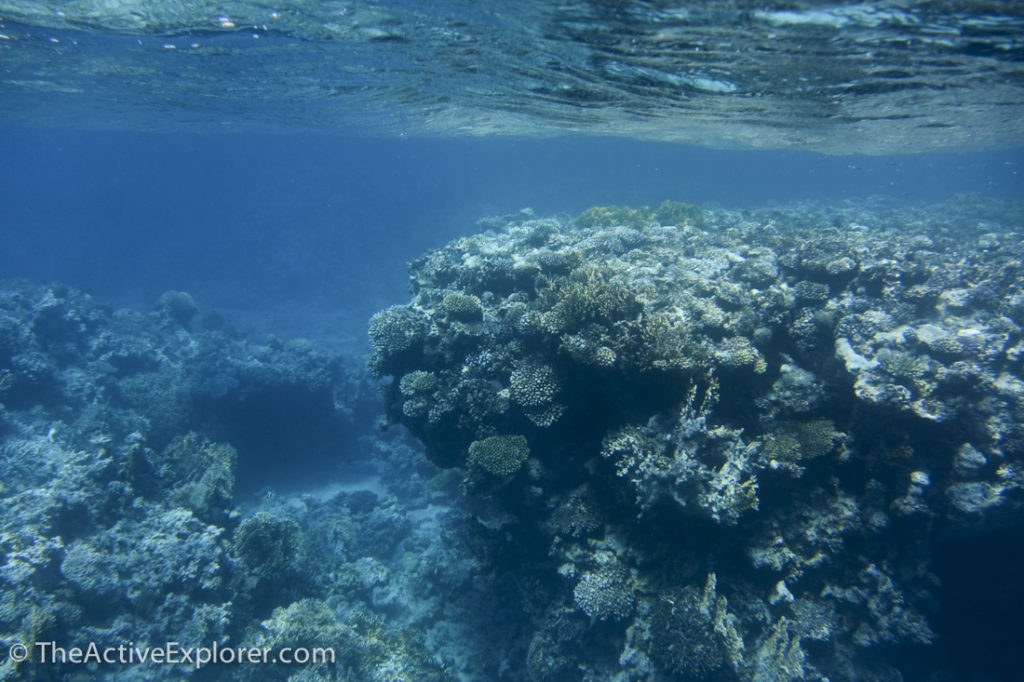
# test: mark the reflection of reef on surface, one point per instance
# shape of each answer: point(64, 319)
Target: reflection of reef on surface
point(743, 432)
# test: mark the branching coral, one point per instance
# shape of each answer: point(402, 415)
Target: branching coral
point(588, 294)
point(499, 455)
point(684, 633)
point(394, 331)
point(606, 594)
point(416, 382)
point(268, 545)
point(464, 307)
point(708, 471)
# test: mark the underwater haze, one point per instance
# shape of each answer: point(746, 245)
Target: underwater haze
point(633, 341)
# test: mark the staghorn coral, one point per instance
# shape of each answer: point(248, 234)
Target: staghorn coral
point(610, 216)
point(705, 471)
point(589, 293)
point(667, 213)
point(779, 656)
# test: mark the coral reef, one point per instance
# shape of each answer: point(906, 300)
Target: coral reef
point(361, 650)
point(143, 475)
point(735, 421)
point(658, 444)
point(125, 437)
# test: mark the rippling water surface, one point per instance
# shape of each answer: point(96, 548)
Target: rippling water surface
point(837, 77)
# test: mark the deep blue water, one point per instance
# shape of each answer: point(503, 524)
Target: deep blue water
point(309, 234)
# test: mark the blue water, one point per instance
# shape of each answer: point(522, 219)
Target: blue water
point(286, 168)
point(261, 225)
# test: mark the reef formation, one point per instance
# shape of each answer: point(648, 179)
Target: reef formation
point(722, 444)
point(659, 443)
point(139, 453)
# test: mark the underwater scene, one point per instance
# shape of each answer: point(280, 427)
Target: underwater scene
point(584, 341)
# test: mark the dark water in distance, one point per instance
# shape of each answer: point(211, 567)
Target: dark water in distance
point(264, 225)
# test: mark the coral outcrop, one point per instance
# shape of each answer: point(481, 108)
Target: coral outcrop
point(746, 429)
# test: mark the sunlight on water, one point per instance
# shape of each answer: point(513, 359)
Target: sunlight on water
point(877, 78)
